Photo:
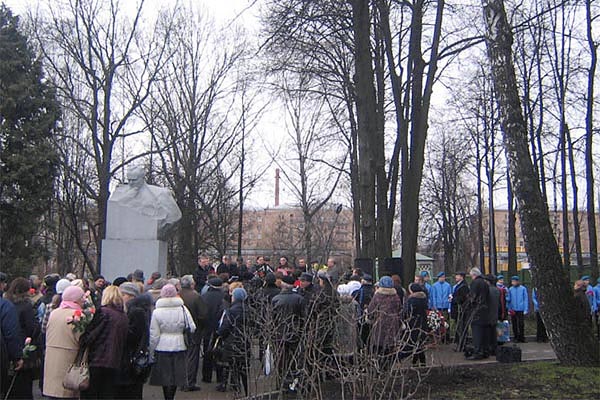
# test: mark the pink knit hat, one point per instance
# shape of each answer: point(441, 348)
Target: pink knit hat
point(168, 291)
point(73, 293)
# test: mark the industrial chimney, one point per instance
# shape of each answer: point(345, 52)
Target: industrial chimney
point(277, 187)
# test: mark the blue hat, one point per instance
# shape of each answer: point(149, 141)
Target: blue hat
point(239, 294)
point(585, 278)
point(515, 278)
point(500, 277)
point(441, 274)
point(386, 282)
point(424, 274)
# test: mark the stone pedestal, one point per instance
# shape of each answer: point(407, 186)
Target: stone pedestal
point(131, 243)
point(121, 257)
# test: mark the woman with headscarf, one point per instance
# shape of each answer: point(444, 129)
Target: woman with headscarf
point(384, 314)
point(62, 344)
point(167, 344)
point(18, 294)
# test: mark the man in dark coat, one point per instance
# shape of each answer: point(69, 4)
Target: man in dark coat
point(309, 289)
point(288, 314)
point(270, 289)
point(494, 311)
point(460, 293)
point(201, 273)
point(214, 299)
point(198, 309)
point(478, 309)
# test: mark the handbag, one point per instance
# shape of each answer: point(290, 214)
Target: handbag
point(140, 360)
point(187, 331)
point(77, 377)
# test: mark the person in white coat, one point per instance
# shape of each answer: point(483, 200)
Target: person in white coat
point(170, 320)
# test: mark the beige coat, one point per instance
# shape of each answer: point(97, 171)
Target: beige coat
point(62, 345)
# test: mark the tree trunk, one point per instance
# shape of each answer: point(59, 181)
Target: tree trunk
point(571, 336)
point(564, 193)
point(589, 141)
point(367, 124)
point(512, 232)
point(576, 226)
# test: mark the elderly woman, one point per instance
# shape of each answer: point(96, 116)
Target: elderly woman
point(105, 339)
point(167, 344)
point(384, 313)
point(130, 385)
point(62, 344)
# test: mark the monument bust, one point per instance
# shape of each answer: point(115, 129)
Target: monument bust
point(149, 202)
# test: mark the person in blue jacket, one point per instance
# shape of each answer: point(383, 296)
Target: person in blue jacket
point(541, 336)
point(11, 343)
point(428, 287)
point(518, 307)
point(590, 294)
point(440, 298)
point(440, 293)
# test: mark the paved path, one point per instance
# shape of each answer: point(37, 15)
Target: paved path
point(440, 356)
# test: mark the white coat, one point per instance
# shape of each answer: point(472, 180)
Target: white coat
point(167, 325)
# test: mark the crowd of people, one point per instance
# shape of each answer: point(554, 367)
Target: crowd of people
point(159, 330)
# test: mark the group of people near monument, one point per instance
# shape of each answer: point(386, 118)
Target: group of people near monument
point(224, 320)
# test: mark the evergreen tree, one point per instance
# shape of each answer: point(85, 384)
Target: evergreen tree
point(28, 118)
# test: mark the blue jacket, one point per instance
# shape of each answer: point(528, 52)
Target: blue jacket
point(439, 295)
point(428, 289)
point(518, 299)
point(591, 295)
point(10, 330)
point(597, 291)
point(536, 306)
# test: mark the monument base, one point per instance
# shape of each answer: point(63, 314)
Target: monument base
point(120, 257)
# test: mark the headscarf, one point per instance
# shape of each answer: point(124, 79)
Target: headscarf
point(70, 296)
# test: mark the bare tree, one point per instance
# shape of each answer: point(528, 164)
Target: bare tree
point(103, 65)
point(314, 162)
point(570, 335)
point(199, 113)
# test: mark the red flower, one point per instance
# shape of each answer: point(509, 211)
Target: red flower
point(77, 313)
point(32, 291)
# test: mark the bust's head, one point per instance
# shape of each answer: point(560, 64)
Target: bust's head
point(135, 176)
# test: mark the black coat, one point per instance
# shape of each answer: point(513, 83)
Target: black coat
point(139, 311)
point(234, 334)
point(200, 277)
point(479, 301)
point(288, 312)
point(215, 304)
point(269, 291)
point(414, 313)
point(459, 299)
point(494, 307)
